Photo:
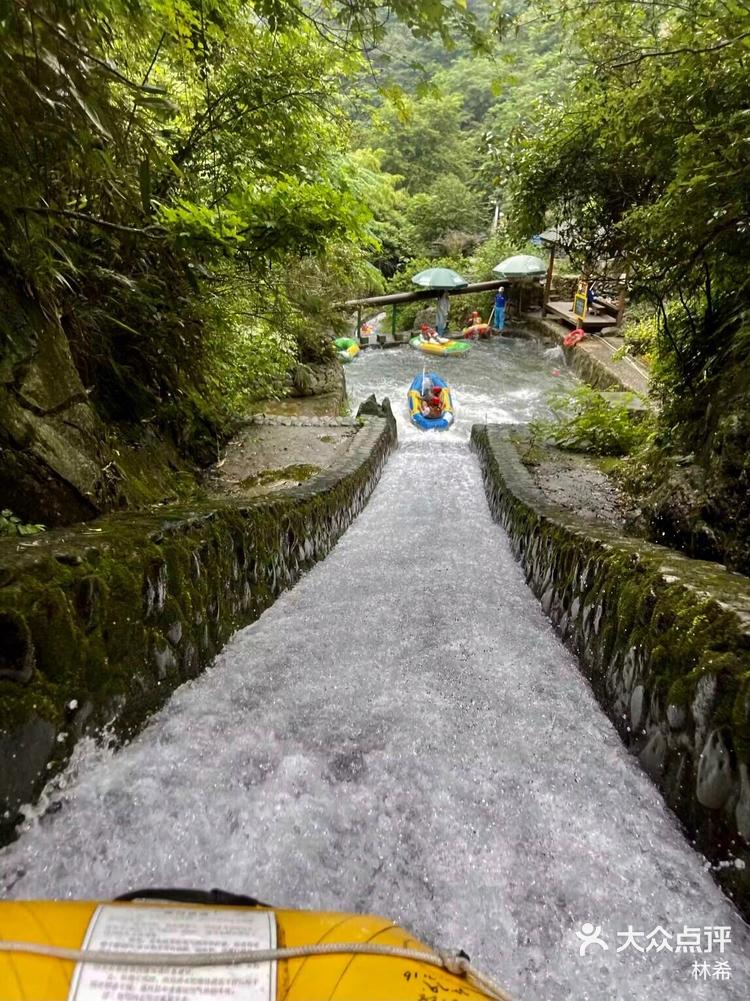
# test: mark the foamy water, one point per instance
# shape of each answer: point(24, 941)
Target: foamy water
point(403, 733)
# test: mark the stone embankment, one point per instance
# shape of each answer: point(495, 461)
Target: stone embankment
point(594, 359)
point(101, 621)
point(665, 642)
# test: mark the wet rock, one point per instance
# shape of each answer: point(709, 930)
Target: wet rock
point(636, 707)
point(316, 380)
point(653, 755)
point(77, 716)
point(190, 662)
point(17, 658)
point(88, 595)
point(69, 559)
point(371, 408)
point(663, 640)
point(742, 810)
point(165, 660)
point(26, 751)
point(676, 717)
point(155, 589)
point(427, 315)
point(715, 774)
point(174, 633)
point(703, 707)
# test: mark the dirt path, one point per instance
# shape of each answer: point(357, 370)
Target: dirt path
point(577, 483)
point(271, 452)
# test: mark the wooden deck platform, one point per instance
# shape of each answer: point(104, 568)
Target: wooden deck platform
point(564, 311)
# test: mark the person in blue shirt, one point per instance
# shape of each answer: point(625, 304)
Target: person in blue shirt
point(498, 312)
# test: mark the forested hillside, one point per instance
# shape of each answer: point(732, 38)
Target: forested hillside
point(180, 206)
point(647, 159)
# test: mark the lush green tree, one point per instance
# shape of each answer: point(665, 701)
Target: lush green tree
point(157, 149)
point(646, 160)
point(448, 206)
point(423, 141)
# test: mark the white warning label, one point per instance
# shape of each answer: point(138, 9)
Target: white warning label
point(134, 928)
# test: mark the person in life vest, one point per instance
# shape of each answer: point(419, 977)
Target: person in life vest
point(428, 334)
point(476, 327)
point(432, 404)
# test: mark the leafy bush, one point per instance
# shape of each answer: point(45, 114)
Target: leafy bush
point(11, 524)
point(641, 331)
point(586, 422)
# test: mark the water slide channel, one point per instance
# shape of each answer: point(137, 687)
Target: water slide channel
point(403, 733)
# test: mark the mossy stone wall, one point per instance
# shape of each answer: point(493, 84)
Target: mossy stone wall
point(664, 641)
point(589, 368)
point(99, 623)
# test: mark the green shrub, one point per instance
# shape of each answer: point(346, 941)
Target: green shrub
point(11, 524)
point(586, 422)
point(641, 332)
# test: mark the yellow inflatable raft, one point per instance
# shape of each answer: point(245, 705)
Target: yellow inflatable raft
point(440, 347)
point(191, 952)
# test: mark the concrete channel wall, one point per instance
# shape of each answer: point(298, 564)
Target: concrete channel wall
point(664, 641)
point(594, 359)
point(100, 622)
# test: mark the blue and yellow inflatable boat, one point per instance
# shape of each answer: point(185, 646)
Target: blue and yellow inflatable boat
point(415, 402)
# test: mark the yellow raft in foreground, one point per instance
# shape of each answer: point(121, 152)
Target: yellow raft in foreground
point(166, 946)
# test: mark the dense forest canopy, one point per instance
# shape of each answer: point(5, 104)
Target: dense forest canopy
point(200, 180)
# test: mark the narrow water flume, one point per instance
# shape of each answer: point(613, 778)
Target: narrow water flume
point(403, 733)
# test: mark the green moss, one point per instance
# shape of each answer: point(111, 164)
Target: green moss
point(19, 703)
point(188, 570)
point(687, 622)
point(57, 641)
point(298, 472)
point(610, 465)
point(740, 717)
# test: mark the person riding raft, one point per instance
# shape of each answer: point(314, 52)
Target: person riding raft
point(432, 403)
point(429, 334)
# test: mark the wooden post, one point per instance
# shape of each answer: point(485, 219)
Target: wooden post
point(548, 283)
point(393, 321)
point(359, 323)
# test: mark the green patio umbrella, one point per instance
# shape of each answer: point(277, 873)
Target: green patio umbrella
point(439, 278)
point(521, 266)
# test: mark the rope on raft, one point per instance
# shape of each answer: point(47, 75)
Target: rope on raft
point(458, 965)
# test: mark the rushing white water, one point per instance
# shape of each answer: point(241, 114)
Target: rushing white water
point(403, 733)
